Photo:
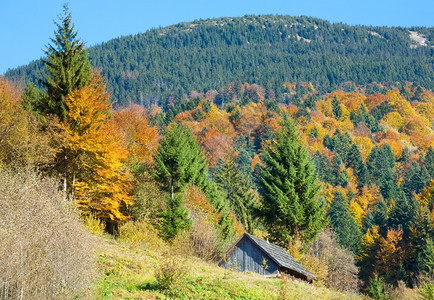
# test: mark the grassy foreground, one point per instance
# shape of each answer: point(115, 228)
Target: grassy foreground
point(126, 271)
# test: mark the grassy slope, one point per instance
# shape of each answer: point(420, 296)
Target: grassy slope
point(126, 272)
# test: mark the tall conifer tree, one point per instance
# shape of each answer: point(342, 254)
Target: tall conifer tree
point(178, 162)
point(67, 64)
point(238, 191)
point(290, 190)
point(347, 231)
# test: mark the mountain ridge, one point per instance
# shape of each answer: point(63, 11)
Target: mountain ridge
point(268, 50)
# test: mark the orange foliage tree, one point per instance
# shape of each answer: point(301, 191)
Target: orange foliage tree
point(93, 173)
point(140, 138)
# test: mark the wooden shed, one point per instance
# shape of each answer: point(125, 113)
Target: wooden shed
point(250, 253)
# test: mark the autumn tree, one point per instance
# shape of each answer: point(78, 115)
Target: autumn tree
point(291, 208)
point(68, 67)
point(92, 168)
point(137, 134)
point(22, 142)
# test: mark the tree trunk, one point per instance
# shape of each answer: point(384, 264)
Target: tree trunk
point(65, 172)
point(172, 195)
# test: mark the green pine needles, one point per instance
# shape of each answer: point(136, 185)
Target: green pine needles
point(68, 67)
point(291, 209)
point(179, 161)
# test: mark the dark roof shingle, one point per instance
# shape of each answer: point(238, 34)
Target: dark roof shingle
point(280, 256)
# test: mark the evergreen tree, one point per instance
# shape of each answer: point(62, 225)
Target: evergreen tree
point(238, 192)
point(68, 67)
point(337, 110)
point(355, 161)
point(403, 214)
point(32, 99)
point(415, 179)
point(347, 231)
point(291, 208)
point(381, 167)
point(422, 235)
point(180, 161)
point(174, 219)
point(380, 216)
point(429, 162)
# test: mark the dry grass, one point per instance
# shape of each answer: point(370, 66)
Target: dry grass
point(45, 251)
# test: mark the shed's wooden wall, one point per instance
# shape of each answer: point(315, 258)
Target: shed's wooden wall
point(246, 256)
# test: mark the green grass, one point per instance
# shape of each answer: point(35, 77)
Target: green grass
point(127, 272)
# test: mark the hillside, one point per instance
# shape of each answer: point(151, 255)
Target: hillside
point(127, 271)
point(268, 50)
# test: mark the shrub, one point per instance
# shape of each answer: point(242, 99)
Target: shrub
point(426, 290)
point(341, 269)
point(316, 267)
point(45, 250)
point(140, 232)
point(169, 272)
point(400, 291)
point(204, 240)
point(94, 225)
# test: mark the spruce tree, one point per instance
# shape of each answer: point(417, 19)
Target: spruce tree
point(337, 111)
point(180, 161)
point(238, 191)
point(291, 208)
point(174, 219)
point(380, 216)
point(355, 161)
point(429, 162)
point(347, 231)
point(403, 214)
point(68, 67)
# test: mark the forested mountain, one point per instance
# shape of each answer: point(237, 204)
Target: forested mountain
point(150, 67)
point(317, 136)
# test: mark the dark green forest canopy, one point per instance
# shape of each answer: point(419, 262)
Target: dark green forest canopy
point(150, 67)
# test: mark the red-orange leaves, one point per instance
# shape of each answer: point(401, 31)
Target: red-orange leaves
point(140, 138)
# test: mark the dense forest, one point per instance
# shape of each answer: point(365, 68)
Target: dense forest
point(150, 67)
point(337, 168)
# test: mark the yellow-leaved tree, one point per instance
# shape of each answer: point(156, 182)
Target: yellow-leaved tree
point(94, 175)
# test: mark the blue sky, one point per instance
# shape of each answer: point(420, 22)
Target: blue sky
point(27, 25)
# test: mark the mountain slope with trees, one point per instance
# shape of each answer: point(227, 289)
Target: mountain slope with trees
point(148, 68)
point(343, 179)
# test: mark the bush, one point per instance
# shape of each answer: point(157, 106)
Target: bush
point(400, 291)
point(142, 233)
point(45, 250)
point(94, 225)
point(316, 267)
point(169, 272)
point(204, 240)
point(341, 268)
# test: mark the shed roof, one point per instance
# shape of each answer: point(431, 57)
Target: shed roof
point(280, 256)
